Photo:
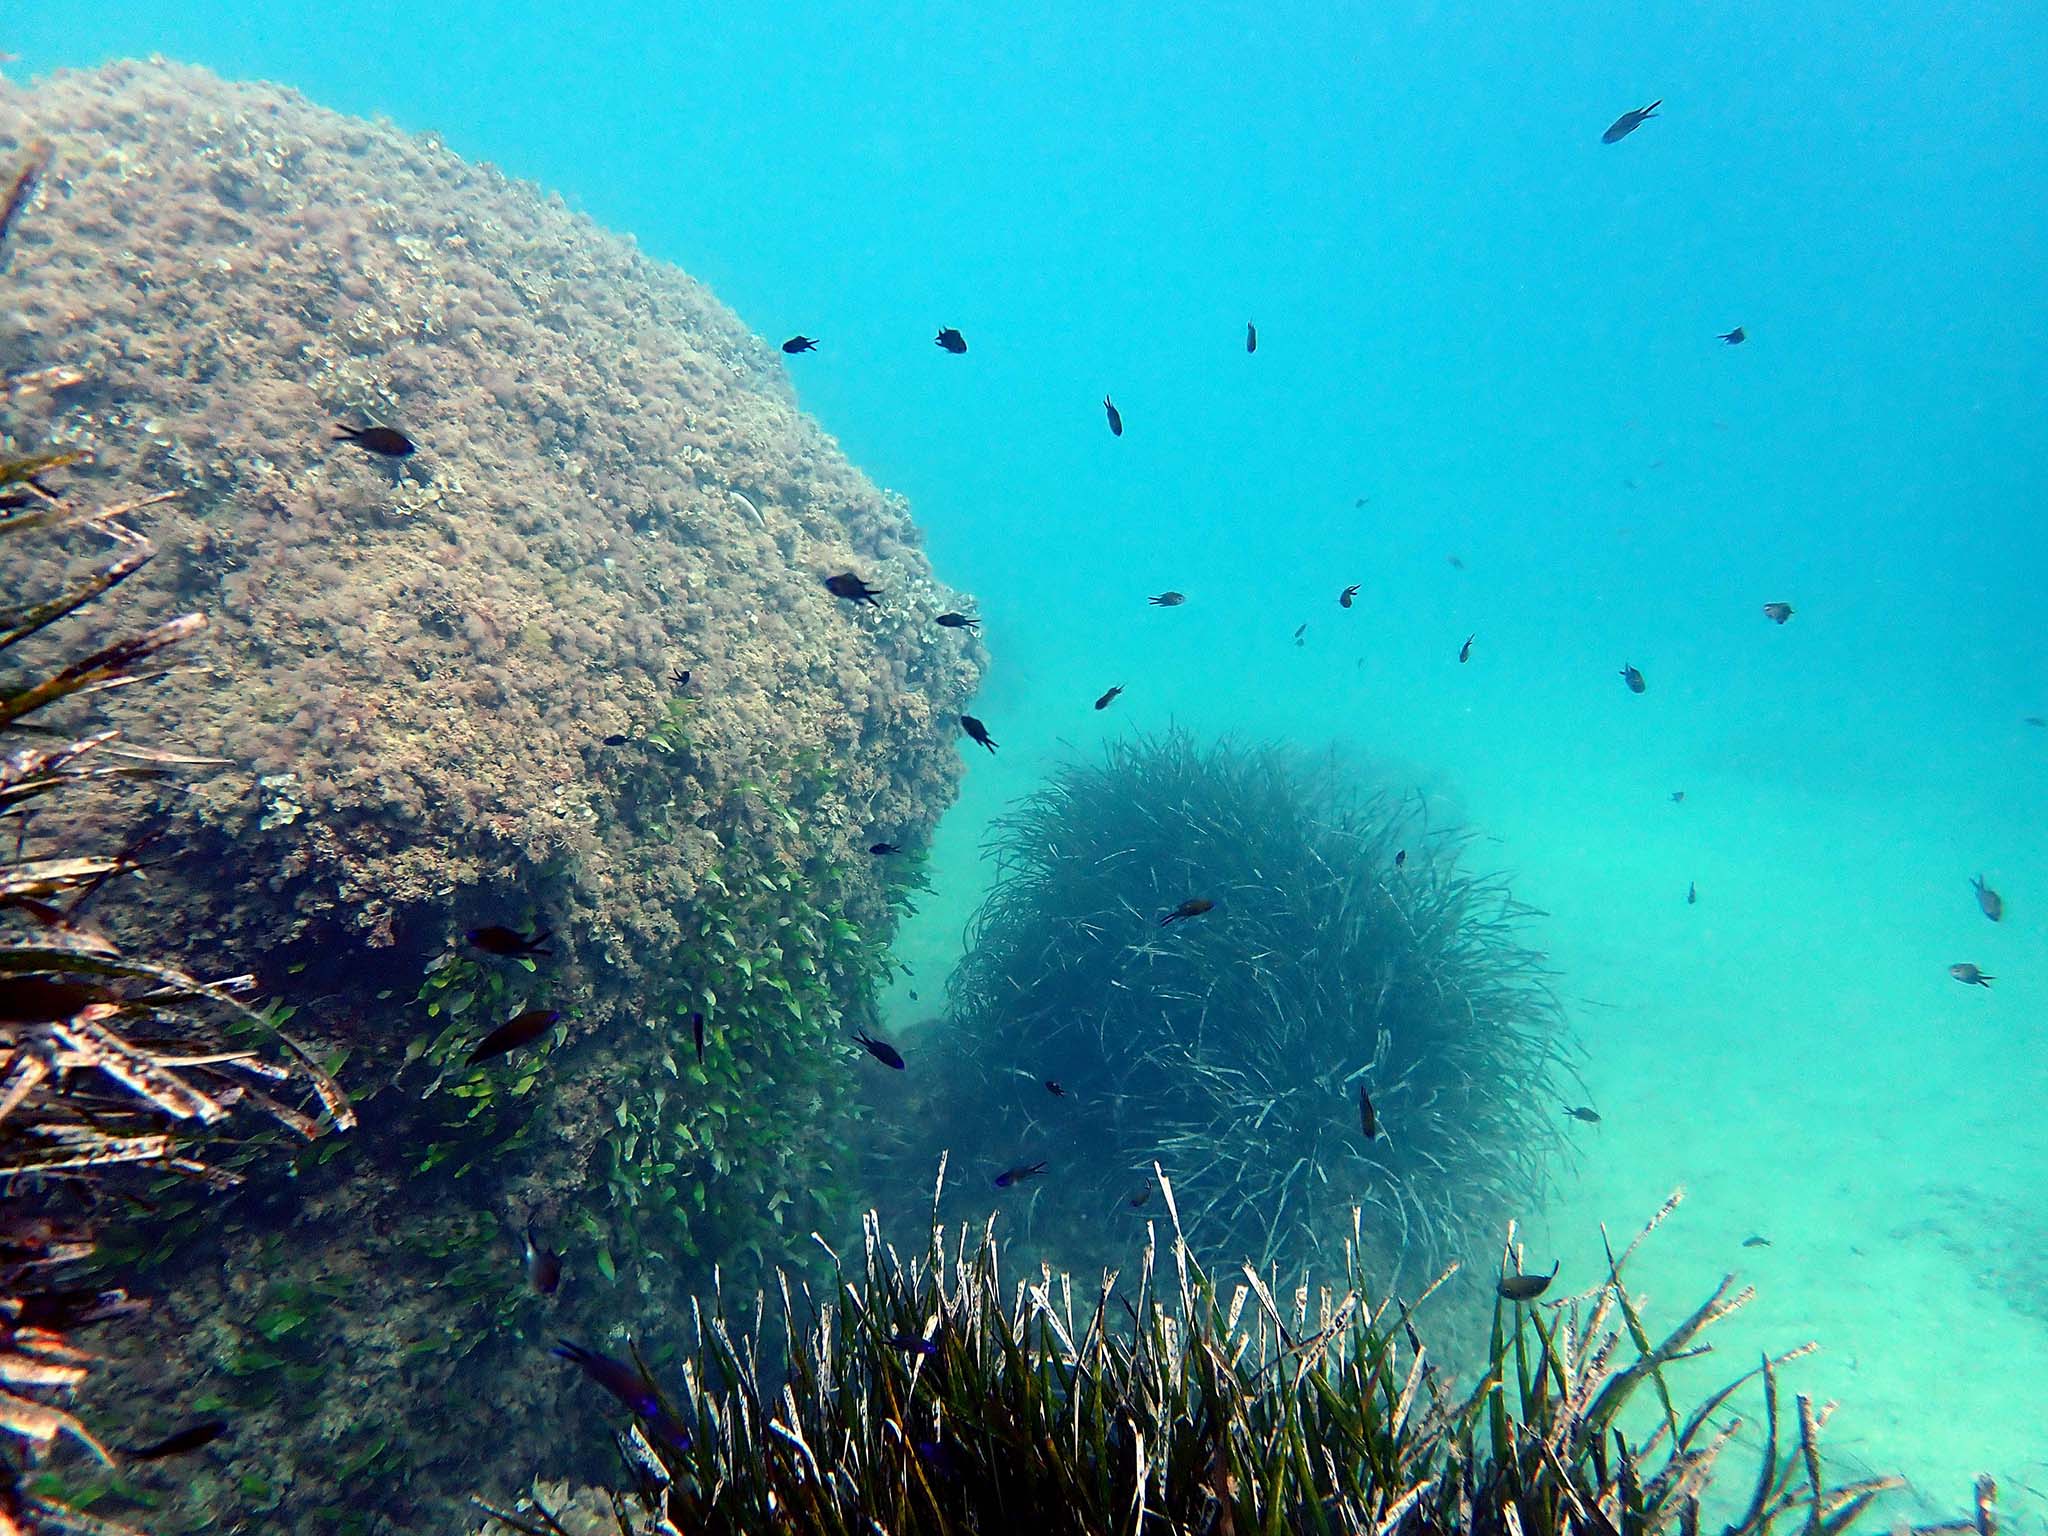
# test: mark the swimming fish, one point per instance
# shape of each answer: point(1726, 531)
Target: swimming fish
point(1400, 857)
point(1629, 122)
point(1168, 599)
point(1344, 598)
point(543, 1265)
point(629, 1384)
point(1692, 893)
point(1465, 650)
point(1251, 337)
point(1586, 1113)
point(1455, 563)
point(1988, 899)
point(385, 442)
point(2034, 720)
point(883, 850)
point(1116, 417)
point(697, 1032)
point(977, 732)
point(1052, 1087)
point(1526, 1287)
point(1194, 906)
point(1678, 797)
point(958, 621)
point(1634, 679)
point(523, 1029)
point(1300, 630)
point(616, 739)
point(1137, 1201)
point(499, 940)
point(797, 344)
point(881, 1050)
point(1969, 975)
point(1368, 1120)
point(951, 340)
point(1734, 338)
point(852, 588)
point(679, 679)
point(1109, 698)
point(1756, 1241)
point(912, 1343)
point(1777, 613)
point(1018, 1174)
point(182, 1441)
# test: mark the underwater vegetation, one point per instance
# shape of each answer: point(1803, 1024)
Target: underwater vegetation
point(119, 1071)
point(933, 1393)
point(1285, 990)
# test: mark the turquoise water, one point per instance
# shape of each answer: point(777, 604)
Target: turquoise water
point(1500, 334)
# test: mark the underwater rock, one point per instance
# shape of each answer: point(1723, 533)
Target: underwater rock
point(433, 645)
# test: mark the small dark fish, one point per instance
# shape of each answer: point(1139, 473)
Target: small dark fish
point(1629, 122)
point(1777, 613)
point(1300, 630)
point(513, 1033)
point(1634, 679)
point(1368, 1120)
point(385, 442)
point(883, 850)
point(1116, 417)
point(629, 1384)
point(1755, 1241)
point(1361, 501)
point(1734, 338)
point(543, 1264)
point(1109, 698)
point(853, 589)
point(1052, 1087)
point(881, 1050)
point(1465, 650)
point(1137, 1201)
point(1989, 900)
point(497, 940)
point(797, 344)
point(1455, 563)
point(1194, 906)
point(977, 732)
point(1678, 797)
point(616, 740)
point(958, 621)
point(1168, 600)
point(1692, 893)
point(182, 1441)
point(697, 1032)
point(951, 340)
point(1400, 857)
point(679, 679)
point(913, 1343)
point(1586, 1113)
point(938, 1458)
point(2034, 720)
point(1525, 1287)
point(1018, 1174)
point(1251, 337)
point(1344, 598)
point(1970, 976)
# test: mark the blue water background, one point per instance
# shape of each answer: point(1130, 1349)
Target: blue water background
point(1501, 333)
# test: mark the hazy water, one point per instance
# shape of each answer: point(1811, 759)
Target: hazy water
point(1500, 332)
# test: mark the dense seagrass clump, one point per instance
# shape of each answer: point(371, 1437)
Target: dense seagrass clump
point(1348, 948)
point(931, 1394)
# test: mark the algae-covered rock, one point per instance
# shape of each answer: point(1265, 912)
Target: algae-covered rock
point(614, 484)
point(570, 665)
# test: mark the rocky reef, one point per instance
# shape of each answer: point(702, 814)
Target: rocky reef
point(571, 665)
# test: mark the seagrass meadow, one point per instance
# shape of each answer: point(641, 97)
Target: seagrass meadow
point(1352, 950)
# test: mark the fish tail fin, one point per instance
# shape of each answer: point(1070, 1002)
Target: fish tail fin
point(344, 434)
point(1651, 109)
